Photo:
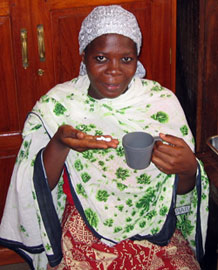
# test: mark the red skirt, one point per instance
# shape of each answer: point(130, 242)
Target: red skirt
point(83, 251)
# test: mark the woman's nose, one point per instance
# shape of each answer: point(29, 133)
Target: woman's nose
point(114, 67)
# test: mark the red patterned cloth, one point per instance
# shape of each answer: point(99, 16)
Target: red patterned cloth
point(83, 251)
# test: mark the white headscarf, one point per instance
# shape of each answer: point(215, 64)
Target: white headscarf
point(111, 19)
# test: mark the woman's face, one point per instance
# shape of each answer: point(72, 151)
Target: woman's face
point(111, 62)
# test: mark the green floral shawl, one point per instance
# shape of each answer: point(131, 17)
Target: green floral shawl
point(118, 202)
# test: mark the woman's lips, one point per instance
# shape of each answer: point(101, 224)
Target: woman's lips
point(112, 87)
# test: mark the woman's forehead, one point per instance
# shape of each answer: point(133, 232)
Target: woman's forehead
point(113, 42)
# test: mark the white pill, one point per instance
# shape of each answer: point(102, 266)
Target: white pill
point(103, 139)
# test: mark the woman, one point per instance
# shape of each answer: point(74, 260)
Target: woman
point(114, 217)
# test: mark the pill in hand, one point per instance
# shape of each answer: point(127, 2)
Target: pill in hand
point(102, 138)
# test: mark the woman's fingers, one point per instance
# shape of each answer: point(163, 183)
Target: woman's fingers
point(80, 141)
point(172, 140)
point(89, 143)
point(173, 157)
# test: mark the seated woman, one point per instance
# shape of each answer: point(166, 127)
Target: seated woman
point(73, 202)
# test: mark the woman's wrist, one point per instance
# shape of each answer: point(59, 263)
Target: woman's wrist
point(54, 157)
point(187, 181)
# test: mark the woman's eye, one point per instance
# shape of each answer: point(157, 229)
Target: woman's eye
point(101, 58)
point(127, 59)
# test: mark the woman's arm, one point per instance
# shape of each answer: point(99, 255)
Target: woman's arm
point(67, 138)
point(176, 157)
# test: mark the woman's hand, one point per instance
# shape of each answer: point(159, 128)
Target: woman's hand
point(176, 157)
point(67, 138)
point(79, 141)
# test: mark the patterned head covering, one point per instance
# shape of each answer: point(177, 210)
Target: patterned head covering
point(110, 20)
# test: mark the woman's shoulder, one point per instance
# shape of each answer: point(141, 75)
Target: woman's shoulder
point(154, 85)
point(66, 86)
point(154, 88)
point(77, 85)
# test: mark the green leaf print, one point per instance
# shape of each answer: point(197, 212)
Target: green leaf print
point(88, 155)
point(24, 152)
point(144, 202)
point(98, 133)
point(34, 195)
point(121, 186)
point(32, 163)
point(157, 88)
point(142, 224)
point(184, 225)
point(23, 230)
point(59, 109)
point(194, 198)
point(133, 213)
point(36, 127)
point(193, 243)
point(91, 217)
point(129, 202)
point(108, 107)
point(123, 110)
point(163, 211)
point(39, 219)
point(81, 191)
point(102, 195)
point(144, 82)
point(122, 173)
point(85, 177)
point(160, 116)
point(117, 229)
point(109, 222)
point(103, 152)
point(129, 228)
point(85, 128)
point(48, 247)
point(144, 179)
point(70, 96)
point(120, 151)
point(154, 231)
point(120, 207)
point(44, 99)
point(60, 188)
point(184, 130)
point(101, 163)
point(151, 214)
point(91, 99)
point(78, 165)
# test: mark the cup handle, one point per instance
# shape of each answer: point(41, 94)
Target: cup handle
point(157, 138)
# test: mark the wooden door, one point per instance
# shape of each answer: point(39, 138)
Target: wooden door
point(10, 138)
point(207, 99)
point(39, 49)
point(197, 58)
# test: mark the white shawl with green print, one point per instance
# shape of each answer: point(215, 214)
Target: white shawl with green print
point(118, 202)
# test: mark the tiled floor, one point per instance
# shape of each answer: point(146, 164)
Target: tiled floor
point(20, 266)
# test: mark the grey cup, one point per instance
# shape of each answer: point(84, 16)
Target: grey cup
point(138, 147)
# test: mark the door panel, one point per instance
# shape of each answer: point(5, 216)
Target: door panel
point(8, 104)
point(10, 138)
point(209, 124)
